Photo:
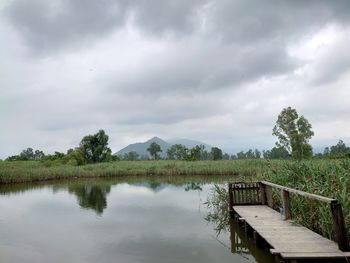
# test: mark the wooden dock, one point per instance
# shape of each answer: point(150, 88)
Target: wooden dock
point(251, 204)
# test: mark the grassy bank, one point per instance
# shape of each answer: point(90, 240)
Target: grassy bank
point(30, 171)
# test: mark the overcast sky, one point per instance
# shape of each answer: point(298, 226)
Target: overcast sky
point(216, 71)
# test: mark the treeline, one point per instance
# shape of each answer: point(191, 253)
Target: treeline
point(94, 149)
point(178, 152)
point(340, 150)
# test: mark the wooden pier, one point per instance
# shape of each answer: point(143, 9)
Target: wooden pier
point(252, 205)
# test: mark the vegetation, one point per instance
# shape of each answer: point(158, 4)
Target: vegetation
point(176, 152)
point(29, 171)
point(27, 155)
point(250, 154)
point(276, 153)
point(216, 153)
point(95, 148)
point(329, 177)
point(293, 133)
point(131, 156)
point(154, 149)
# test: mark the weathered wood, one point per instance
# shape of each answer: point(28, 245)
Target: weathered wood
point(230, 198)
point(299, 192)
point(268, 192)
point(339, 226)
point(245, 193)
point(286, 204)
point(312, 255)
point(287, 239)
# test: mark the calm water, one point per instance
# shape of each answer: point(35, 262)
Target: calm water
point(116, 221)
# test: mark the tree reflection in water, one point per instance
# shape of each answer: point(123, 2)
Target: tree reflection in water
point(218, 215)
point(91, 196)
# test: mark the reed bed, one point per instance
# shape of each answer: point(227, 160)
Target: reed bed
point(31, 171)
point(330, 178)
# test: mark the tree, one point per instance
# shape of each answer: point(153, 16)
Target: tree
point(339, 149)
point(293, 133)
point(176, 152)
point(226, 156)
point(216, 153)
point(276, 153)
point(196, 153)
point(154, 149)
point(28, 155)
point(131, 156)
point(95, 147)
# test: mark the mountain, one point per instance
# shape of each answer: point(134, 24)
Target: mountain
point(141, 147)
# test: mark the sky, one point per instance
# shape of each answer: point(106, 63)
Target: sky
point(218, 71)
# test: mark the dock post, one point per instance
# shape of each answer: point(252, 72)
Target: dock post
point(262, 193)
point(340, 232)
point(286, 204)
point(269, 199)
point(230, 200)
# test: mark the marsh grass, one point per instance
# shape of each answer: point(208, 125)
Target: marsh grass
point(31, 171)
point(330, 178)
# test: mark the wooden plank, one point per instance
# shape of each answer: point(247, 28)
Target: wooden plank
point(299, 192)
point(312, 255)
point(287, 239)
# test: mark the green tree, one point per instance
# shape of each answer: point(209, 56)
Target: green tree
point(216, 153)
point(276, 153)
point(95, 148)
point(226, 156)
point(293, 133)
point(131, 156)
point(340, 149)
point(176, 152)
point(76, 157)
point(154, 149)
point(28, 155)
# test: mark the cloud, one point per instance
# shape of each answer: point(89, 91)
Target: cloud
point(48, 26)
point(216, 71)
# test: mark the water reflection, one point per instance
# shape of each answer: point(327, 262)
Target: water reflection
point(91, 196)
point(144, 220)
point(244, 245)
point(193, 187)
point(240, 242)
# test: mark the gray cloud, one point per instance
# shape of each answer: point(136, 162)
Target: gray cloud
point(204, 68)
point(254, 21)
point(48, 26)
point(51, 25)
point(218, 71)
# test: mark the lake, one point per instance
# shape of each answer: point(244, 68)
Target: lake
point(125, 220)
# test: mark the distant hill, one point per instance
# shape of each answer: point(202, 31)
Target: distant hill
point(141, 147)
